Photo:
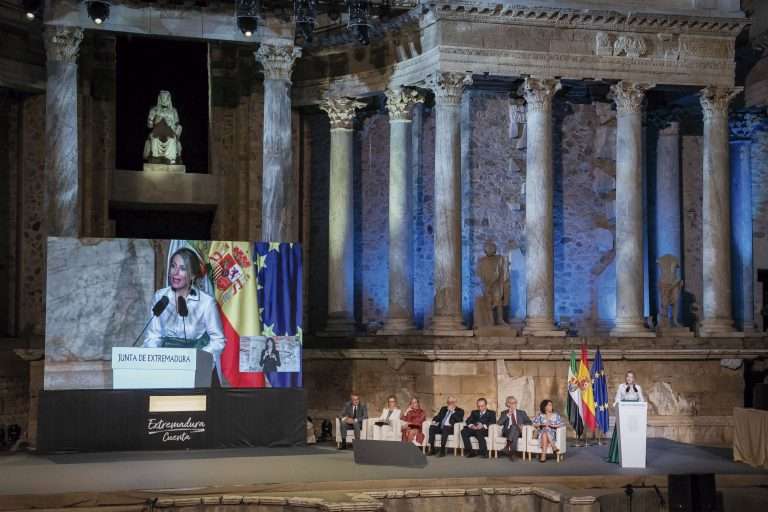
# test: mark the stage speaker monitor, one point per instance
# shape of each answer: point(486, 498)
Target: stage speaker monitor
point(760, 396)
point(692, 493)
point(389, 453)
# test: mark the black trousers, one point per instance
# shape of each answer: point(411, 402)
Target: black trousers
point(467, 434)
point(444, 433)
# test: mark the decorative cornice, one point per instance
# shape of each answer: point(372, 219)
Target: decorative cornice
point(629, 96)
point(277, 61)
point(448, 87)
point(62, 44)
point(341, 111)
point(400, 101)
point(715, 100)
point(595, 19)
point(539, 93)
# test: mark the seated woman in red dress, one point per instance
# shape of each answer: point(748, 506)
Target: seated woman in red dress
point(413, 417)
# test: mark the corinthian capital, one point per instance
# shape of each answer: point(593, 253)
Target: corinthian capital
point(341, 111)
point(715, 100)
point(277, 61)
point(62, 44)
point(400, 101)
point(539, 92)
point(629, 96)
point(448, 87)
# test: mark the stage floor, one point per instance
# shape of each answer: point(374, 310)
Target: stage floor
point(207, 471)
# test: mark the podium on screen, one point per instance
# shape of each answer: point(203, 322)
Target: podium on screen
point(160, 368)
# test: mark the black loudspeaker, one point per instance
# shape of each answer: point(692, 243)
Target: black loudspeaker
point(760, 396)
point(692, 493)
point(389, 453)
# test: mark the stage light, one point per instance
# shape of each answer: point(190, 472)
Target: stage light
point(304, 13)
point(98, 10)
point(247, 13)
point(358, 20)
point(32, 9)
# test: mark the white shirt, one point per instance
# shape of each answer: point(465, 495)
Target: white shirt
point(385, 414)
point(622, 395)
point(203, 318)
point(447, 418)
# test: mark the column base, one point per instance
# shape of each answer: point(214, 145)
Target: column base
point(447, 325)
point(496, 331)
point(542, 328)
point(631, 328)
point(719, 328)
point(339, 325)
point(396, 326)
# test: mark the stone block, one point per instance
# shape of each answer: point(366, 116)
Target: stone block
point(479, 386)
point(443, 384)
point(454, 368)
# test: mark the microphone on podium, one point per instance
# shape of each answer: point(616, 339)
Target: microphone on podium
point(157, 310)
point(181, 308)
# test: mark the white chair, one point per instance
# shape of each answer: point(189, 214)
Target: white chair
point(350, 432)
point(497, 442)
point(391, 432)
point(532, 442)
point(453, 441)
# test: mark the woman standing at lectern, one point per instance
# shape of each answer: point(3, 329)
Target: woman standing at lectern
point(629, 391)
point(198, 325)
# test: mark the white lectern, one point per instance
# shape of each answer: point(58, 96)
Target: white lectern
point(160, 368)
point(633, 421)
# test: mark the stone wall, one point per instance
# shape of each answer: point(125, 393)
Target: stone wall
point(689, 399)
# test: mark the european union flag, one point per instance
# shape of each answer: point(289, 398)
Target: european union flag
point(280, 304)
point(600, 392)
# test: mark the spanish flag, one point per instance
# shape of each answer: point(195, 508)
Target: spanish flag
point(587, 397)
point(235, 286)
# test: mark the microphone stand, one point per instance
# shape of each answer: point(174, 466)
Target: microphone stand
point(142, 331)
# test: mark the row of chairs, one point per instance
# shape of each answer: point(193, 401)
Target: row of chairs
point(528, 444)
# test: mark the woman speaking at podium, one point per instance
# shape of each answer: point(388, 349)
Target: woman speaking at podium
point(627, 392)
point(190, 319)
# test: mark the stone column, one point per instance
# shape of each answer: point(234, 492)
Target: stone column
point(716, 215)
point(741, 199)
point(669, 213)
point(62, 169)
point(400, 313)
point(447, 317)
point(539, 184)
point(341, 264)
point(629, 210)
point(279, 215)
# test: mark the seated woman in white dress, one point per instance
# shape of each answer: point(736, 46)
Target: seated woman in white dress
point(389, 419)
point(629, 391)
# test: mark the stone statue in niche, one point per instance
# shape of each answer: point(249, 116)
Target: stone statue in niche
point(670, 287)
point(162, 150)
point(493, 271)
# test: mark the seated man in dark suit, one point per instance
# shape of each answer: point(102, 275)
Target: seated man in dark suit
point(443, 424)
point(512, 420)
point(352, 417)
point(477, 426)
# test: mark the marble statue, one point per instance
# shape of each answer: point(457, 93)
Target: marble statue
point(493, 271)
point(669, 290)
point(163, 145)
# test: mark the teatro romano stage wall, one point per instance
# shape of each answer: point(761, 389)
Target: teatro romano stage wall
point(395, 163)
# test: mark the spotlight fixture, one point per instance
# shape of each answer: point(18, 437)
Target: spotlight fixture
point(358, 20)
point(98, 10)
point(304, 13)
point(247, 13)
point(32, 9)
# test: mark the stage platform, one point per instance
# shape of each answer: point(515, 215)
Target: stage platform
point(131, 478)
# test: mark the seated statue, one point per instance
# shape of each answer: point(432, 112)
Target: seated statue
point(163, 145)
point(669, 290)
point(492, 269)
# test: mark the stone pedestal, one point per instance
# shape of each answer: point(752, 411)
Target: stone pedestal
point(630, 320)
point(62, 169)
point(341, 264)
point(165, 168)
point(539, 182)
point(447, 318)
point(400, 313)
point(717, 320)
point(279, 209)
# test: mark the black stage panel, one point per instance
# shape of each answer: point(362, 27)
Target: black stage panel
point(119, 420)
